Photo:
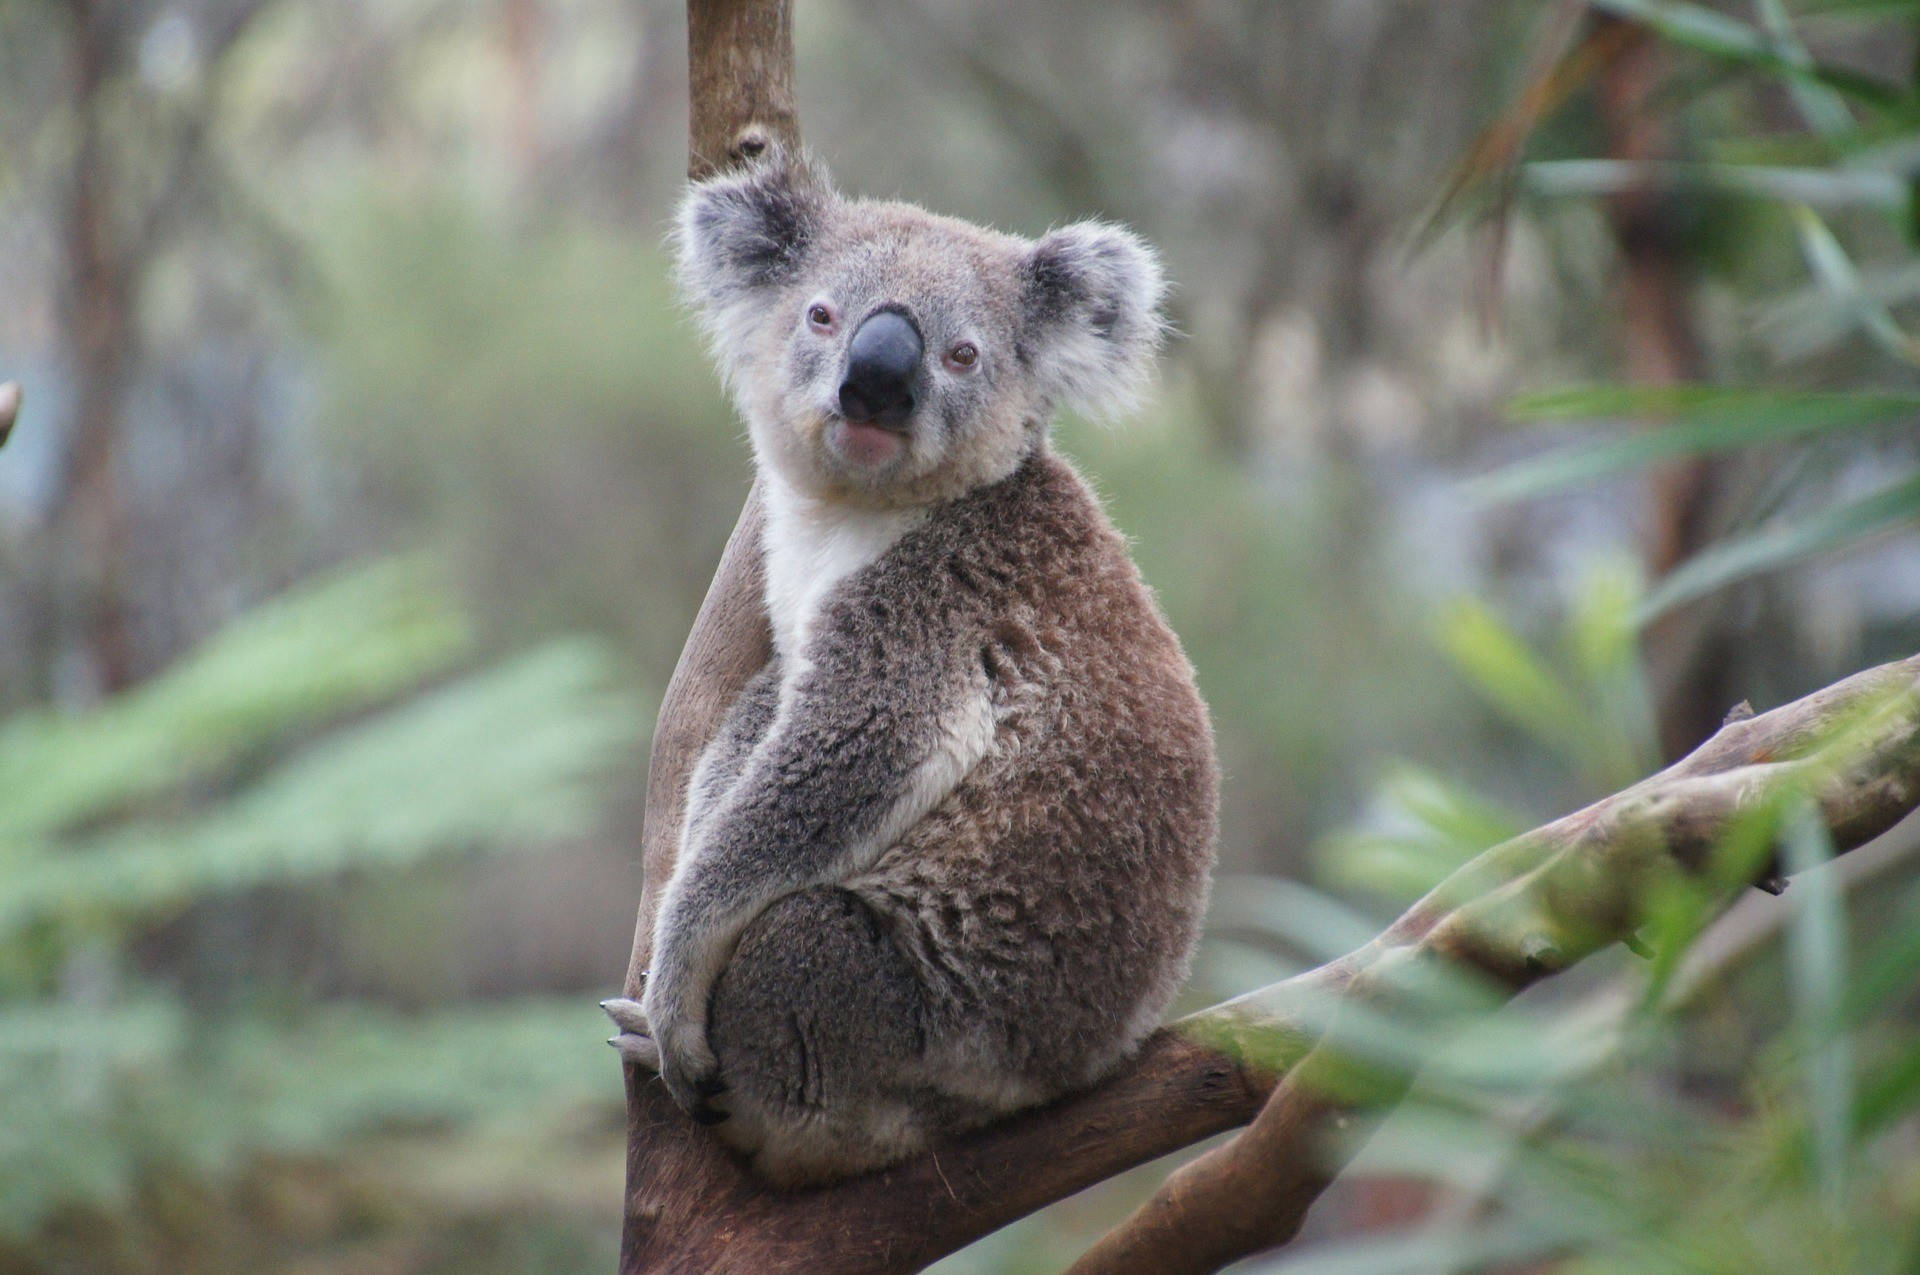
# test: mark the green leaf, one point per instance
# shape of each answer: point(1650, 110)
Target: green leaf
point(1820, 106)
point(1420, 828)
point(1817, 971)
point(101, 1100)
point(1319, 925)
point(1772, 548)
point(1603, 641)
point(1835, 270)
point(1854, 187)
point(510, 756)
point(1701, 420)
point(1510, 676)
point(1714, 34)
point(341, 645)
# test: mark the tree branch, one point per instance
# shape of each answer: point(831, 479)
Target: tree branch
point(1852, 750)
point(1520, 912)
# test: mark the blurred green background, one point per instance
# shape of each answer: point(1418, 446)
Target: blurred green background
point(1544, 384)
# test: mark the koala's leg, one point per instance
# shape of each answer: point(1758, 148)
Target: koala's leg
point(817, 1023)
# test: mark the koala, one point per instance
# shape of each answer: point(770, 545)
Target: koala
point(948, 855)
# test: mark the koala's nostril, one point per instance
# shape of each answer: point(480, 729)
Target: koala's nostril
point(882, 360)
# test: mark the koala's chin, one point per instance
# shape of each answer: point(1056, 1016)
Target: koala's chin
point(825, 456)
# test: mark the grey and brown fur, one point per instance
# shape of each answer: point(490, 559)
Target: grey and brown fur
point(948, 856)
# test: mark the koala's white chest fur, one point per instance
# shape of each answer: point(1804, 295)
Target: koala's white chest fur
point(811, 546)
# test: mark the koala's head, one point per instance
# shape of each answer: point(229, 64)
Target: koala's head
point(889, 356)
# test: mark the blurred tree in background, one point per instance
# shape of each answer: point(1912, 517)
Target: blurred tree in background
point(297, 285)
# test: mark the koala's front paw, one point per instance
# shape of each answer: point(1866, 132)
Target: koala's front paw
point(635, 1041)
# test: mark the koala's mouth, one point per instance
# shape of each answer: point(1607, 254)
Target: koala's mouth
point(866, 444)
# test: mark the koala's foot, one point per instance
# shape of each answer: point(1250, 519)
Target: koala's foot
point(637, 1045)
point(635, 1041)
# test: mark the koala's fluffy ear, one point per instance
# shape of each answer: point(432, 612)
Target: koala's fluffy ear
point(1093, 321)
point(746, 231)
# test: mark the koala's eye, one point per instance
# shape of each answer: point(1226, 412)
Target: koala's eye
point(963, 356)
point(820, 317)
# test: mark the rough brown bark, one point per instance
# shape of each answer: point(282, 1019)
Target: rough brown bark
point(740, 63)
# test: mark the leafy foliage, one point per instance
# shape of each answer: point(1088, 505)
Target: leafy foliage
point(291, 749)
point(1615, 1127)
point(1842, 192)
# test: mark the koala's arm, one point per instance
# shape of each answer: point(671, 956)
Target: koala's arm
point(720, 765)
point(864, 743)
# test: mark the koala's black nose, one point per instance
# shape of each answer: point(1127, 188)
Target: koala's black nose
point(881, 361)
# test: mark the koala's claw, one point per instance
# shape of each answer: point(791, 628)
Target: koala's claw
point(635, 1041)
point(627, 1016)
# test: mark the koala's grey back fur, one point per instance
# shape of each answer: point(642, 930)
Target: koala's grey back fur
point(948, 856)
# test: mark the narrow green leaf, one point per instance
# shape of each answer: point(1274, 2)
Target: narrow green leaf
point(1835, 270)
point(1819, 105)
point(1316, 923)
point(1776, 547)
point(1603, 641)
point(1860, 187)
point(1509, 676)
point(1420, 829)
point(1817, 971)
point(1714, 34)
point(1703, 420)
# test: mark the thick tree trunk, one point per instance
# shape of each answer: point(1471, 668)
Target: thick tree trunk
point(740, 63)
